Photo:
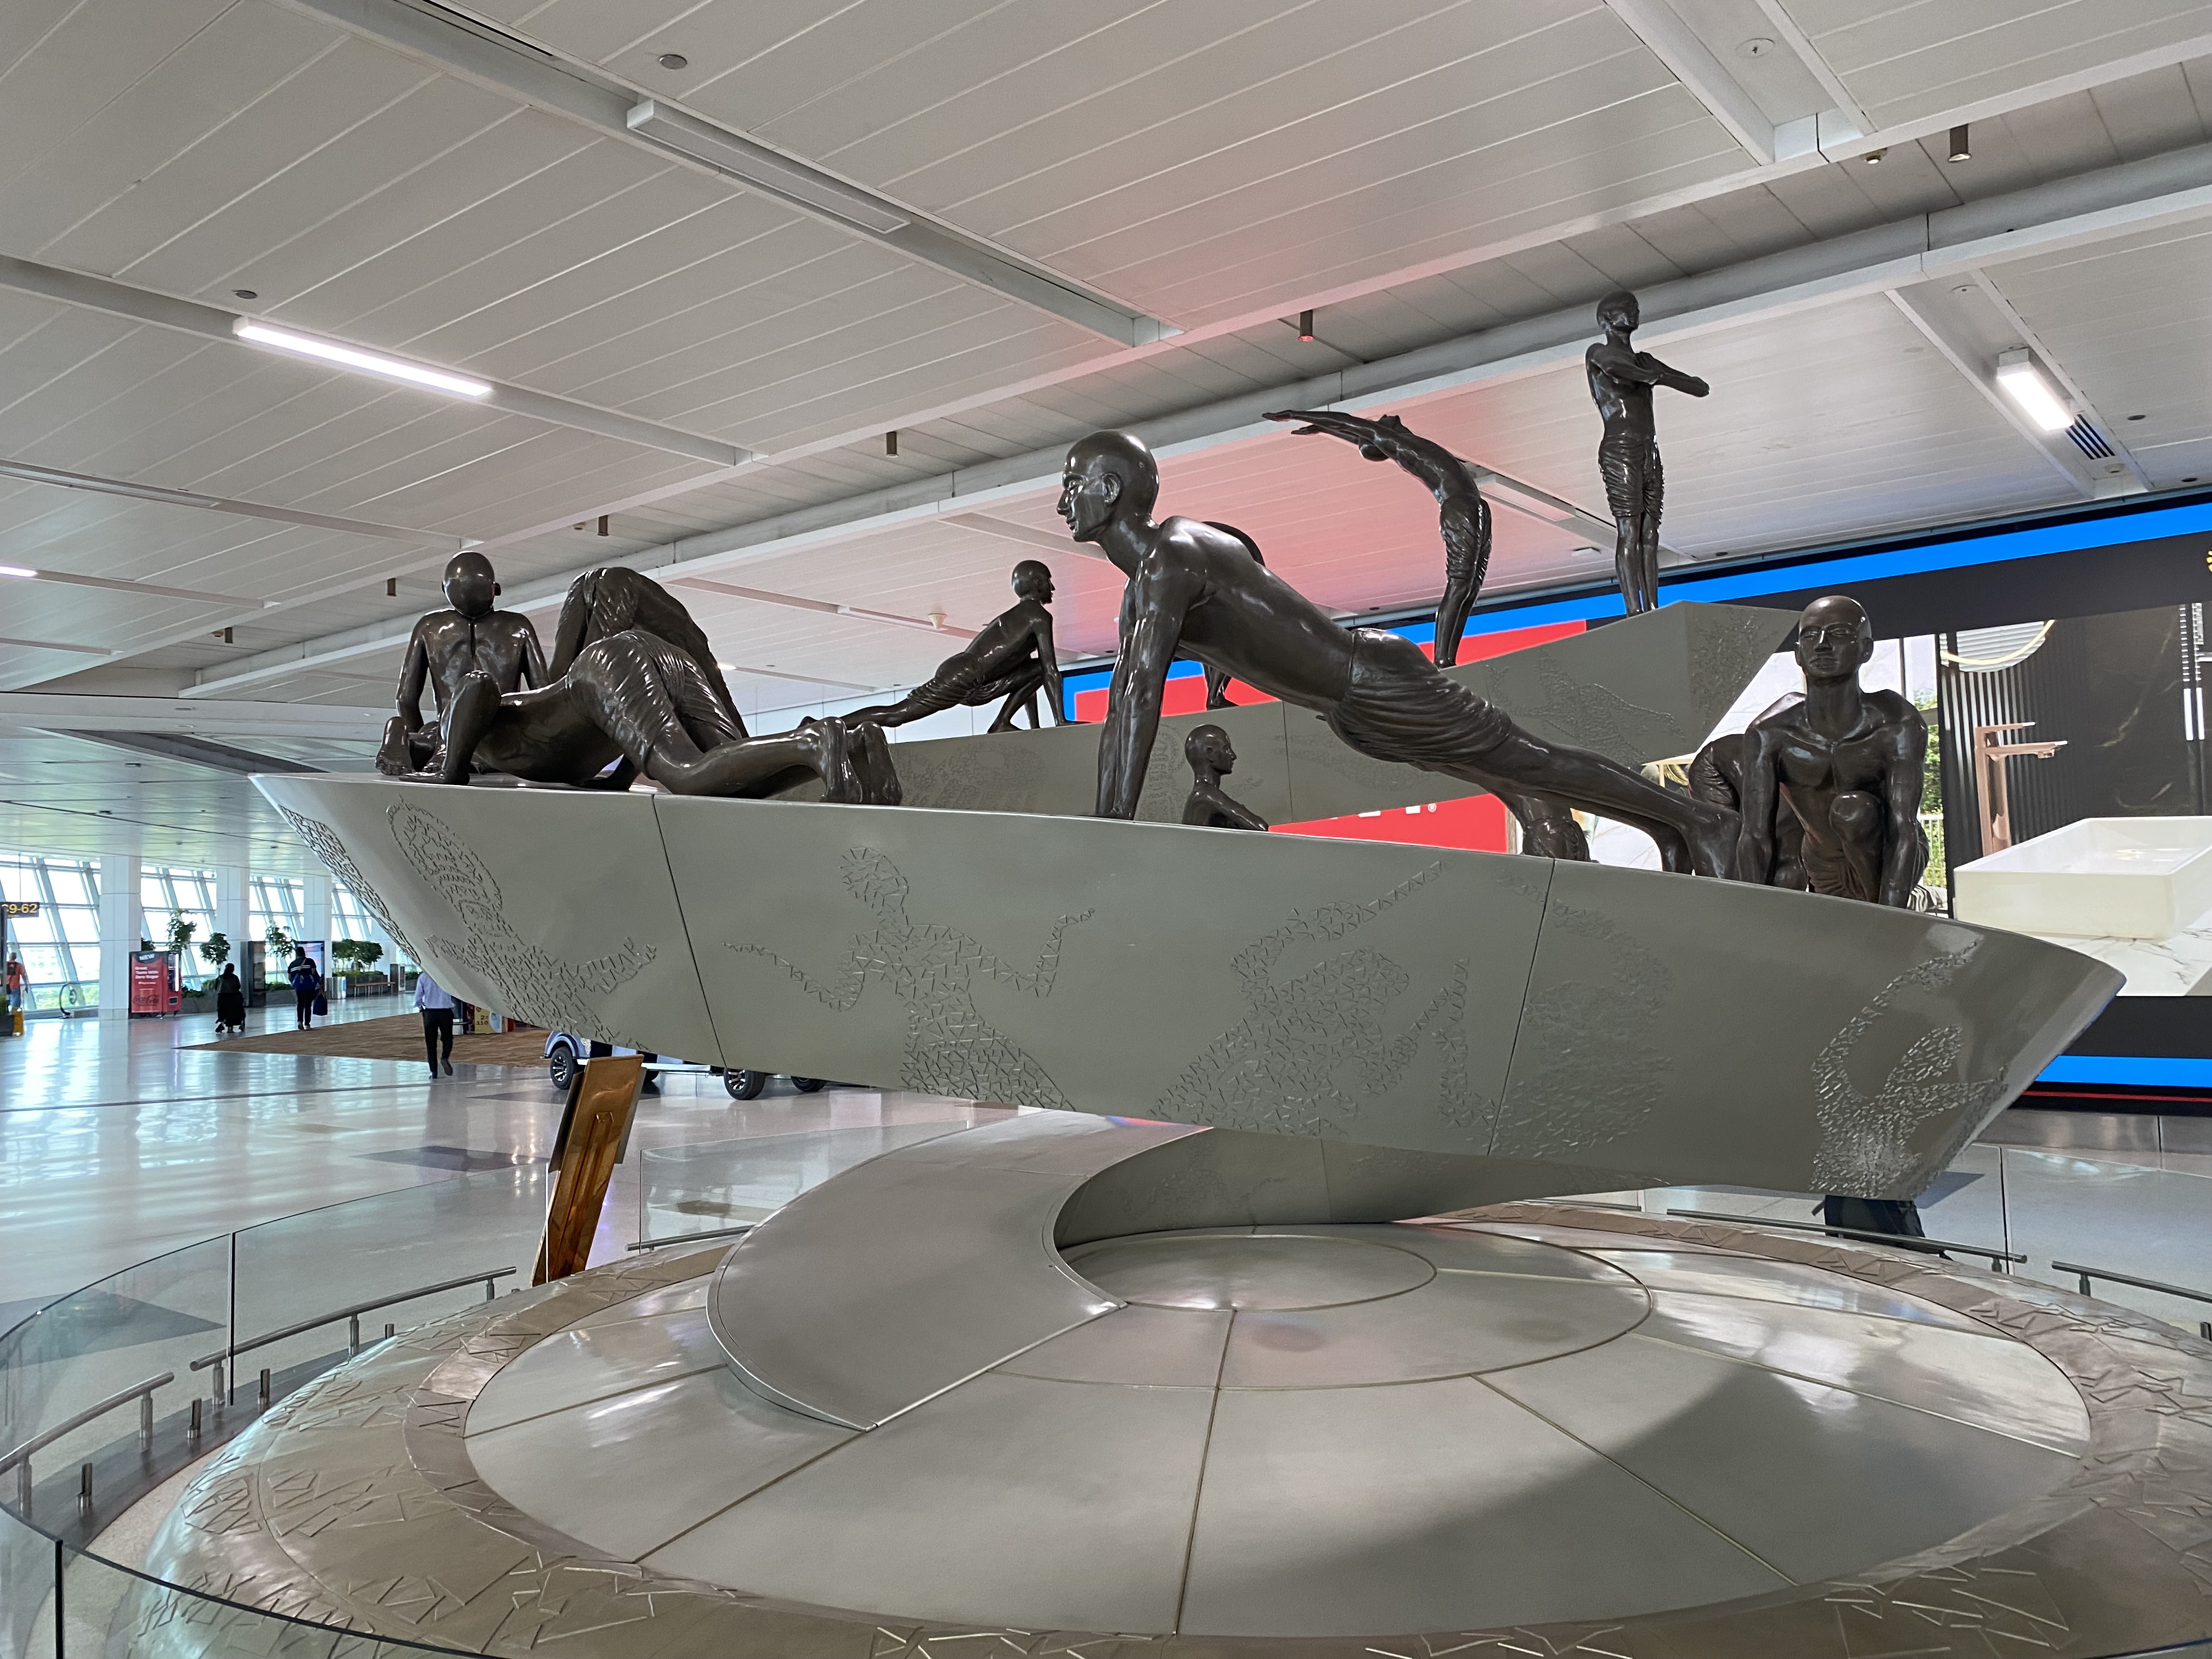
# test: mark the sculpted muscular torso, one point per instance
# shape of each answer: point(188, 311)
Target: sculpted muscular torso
point(1849, 762)
point(447, 646)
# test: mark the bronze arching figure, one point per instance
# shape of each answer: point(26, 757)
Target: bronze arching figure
point(1849, 763)
point(1216, 679)
point(1194, 588)
point(468, 637)
point(1013, 657)
point(1621, 379)
point(1212, 758)
point(1464, 517)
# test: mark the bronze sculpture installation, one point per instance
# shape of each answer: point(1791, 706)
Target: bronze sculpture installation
point(1849, 765)
point(468, 637)
point(1192, 587)
point(615, 598)
point(1011, 658)
point(1212, 758)
point(1463, 515)
point(1716, 775)
point(1216, 679)
point(1621, 379)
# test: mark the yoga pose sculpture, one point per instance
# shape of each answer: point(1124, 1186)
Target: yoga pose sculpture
point(1011, 658)
point(1463, 516)
point(1190, 585)
point(1620, 382)
point(468, 637)
point(1848, 763)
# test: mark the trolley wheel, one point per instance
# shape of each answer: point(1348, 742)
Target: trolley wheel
point(744, 1086)
point(561, 1064)
point(807, 1085)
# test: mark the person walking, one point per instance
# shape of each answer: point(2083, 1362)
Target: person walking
point(229, 1002)
point(17, 979)
point(306, 984)
point(436, 1005)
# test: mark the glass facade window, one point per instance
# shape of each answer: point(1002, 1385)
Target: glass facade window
point(274, 899)
point(350, 917)
point(60, 946)
point(166, 893)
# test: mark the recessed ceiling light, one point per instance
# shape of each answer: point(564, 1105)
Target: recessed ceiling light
point(244, 293)
point(368, 363)
point(2022, 381)
point(674, 60)
point(1758, 46)
point(1874, 156)
point(2135, 417)
point(16, 570)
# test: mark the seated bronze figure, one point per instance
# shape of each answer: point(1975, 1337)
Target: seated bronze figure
point(468, 637)
point(1212, 758)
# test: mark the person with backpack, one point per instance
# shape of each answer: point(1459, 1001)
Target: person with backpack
point(306, 986)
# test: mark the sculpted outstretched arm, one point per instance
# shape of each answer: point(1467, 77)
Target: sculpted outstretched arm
point(1048, 660)
point(1159, 596)
point(1655, 372)
point(840, 993)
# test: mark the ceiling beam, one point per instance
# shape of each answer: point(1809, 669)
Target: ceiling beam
point(492, 59)
point(79, 714)
point(141, 305)
point(2163, 189)
point(1692, 61)
point(143, 492)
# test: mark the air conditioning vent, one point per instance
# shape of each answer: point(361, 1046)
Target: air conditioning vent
point(2090, 441)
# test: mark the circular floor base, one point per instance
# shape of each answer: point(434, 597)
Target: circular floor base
point(1307, 1436)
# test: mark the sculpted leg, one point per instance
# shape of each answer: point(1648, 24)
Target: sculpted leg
point(1548, 829)
point(1451, 619)
point(1692, 835)
point(468, 717)
point(405, 749)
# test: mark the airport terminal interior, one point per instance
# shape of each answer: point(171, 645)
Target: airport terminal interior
point(1105, 828)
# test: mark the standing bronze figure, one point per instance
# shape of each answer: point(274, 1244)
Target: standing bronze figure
point(1193, 587)
point(1849, 764)
point(1212, 758)
point(1013, 657)
point(468, 637)
point(1463, 515)
point(1620, 382)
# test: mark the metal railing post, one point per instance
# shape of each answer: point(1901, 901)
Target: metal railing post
point(146, 1421)
point(353, 1333)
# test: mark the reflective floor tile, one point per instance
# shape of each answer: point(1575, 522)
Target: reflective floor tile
point(671, 1299)
point(1171, 1347)
point(1456, 1323)
point(629, 1474)
point(1819, 1481)
point(1427, 1506)
point(1458, 1249)
point(1249, 1270)
point(1008, 1500)
point(592, 1362)
point(1781, 1281)
point(1990, 1381)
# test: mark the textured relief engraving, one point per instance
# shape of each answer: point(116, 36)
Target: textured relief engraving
point(1593, 717)
point(332, 851)
point(1588, 1067)
point(534, 985)
point(1728, 645)
point(1281, 1069)
point(1866, 1140)
point(951, 1047)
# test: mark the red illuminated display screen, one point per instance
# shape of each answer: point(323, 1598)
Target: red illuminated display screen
point(1476, 822)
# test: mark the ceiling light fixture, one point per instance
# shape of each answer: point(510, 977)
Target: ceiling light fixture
point(16, 570)
point(368, 363)
point(2024, 382)
point(1874, 156)
point(673, 60)
point(757, 164)
point(1960, 150)
point(1305, 325)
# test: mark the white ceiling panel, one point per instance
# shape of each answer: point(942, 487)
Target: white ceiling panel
point(1903, 62)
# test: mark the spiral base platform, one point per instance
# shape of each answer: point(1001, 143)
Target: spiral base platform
point(1542, 1430)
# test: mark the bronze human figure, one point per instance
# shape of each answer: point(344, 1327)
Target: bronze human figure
point(615, 598)
point(468, 637)
point(1193, 587)
point(1216, 679)
point(1464, 517)
point(1211, 758)
point(1716, 775)
point(1620, 382)
point(1013, 657)
point(634, 702)
point(1849, 762)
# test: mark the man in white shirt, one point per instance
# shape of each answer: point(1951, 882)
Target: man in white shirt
point(437, 1007)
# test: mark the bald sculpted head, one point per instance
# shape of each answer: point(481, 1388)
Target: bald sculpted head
point(1835, 637)
point(470, 585)
point(1109, 475)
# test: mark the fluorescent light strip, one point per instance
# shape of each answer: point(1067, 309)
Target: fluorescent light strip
point(16, 570)
point(368, 363)
point(2022, 381)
